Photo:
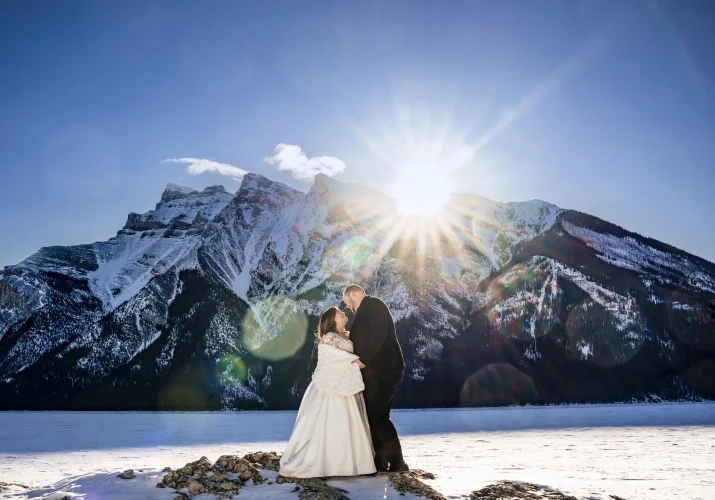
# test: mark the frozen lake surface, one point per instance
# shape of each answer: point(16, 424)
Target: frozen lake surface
point(634, 451)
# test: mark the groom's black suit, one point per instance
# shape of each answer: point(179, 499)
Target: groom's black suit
point(375, 341)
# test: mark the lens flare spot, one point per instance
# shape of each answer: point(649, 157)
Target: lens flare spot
point(232, 367)
point(178, 396)
point(357, 251)
point(275, 328)
point(498, 384)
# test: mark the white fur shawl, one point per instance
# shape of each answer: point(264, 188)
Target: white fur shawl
point(336, 373)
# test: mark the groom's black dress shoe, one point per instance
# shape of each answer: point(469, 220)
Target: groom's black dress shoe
point(399, 468)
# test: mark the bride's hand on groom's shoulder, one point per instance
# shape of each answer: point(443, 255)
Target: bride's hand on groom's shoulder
point(359, 363)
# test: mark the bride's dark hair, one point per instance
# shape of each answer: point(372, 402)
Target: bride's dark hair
point(327, 322)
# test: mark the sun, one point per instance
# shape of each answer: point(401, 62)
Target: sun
point(421, 190)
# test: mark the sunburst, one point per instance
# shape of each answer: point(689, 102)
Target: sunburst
point(421, 191)
point(424, 158)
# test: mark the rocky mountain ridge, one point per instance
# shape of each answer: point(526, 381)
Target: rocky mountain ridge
point(209, 300)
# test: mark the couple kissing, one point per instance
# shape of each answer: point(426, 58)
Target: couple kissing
point(343, 426)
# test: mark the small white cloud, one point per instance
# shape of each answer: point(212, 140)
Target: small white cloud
point(197, 166)
point(292, 159)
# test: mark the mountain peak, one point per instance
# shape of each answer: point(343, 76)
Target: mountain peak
point(253, 180)
point(349, 194)
point(258, 182)
point(174, 191)
point(323, 178)
point(171, 187)
point(218, 188)
point(330, 183)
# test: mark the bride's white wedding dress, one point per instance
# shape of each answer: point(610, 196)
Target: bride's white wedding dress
point(331, 436)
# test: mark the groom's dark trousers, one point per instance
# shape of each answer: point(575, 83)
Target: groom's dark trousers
point(375, 341)
point(380, 391)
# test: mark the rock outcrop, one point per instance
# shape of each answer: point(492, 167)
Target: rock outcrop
point(230, 473)
point(517, 491)
point(224, 478)
point(8, 485)
point(410, 482)
point(127, 474)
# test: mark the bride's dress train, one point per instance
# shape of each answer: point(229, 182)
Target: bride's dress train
point(331, 436)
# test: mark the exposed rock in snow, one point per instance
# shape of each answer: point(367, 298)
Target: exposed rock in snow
point(410, 482)
point(230, 473)
point(518, 491)
point(127, 474)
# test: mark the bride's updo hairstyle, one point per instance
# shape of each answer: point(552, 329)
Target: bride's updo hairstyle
point(327, 322)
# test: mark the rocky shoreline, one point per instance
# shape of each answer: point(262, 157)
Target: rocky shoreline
point(230, 473)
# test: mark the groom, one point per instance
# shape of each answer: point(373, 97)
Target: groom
point(375, 341)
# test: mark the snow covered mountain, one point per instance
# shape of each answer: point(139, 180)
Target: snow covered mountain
point(209, 301)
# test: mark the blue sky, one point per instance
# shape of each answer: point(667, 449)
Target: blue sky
point(603, 106)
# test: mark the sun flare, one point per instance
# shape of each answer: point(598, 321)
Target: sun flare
point(421, 191)
point(424, 218)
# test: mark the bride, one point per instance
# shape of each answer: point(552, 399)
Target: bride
point(331, 436)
